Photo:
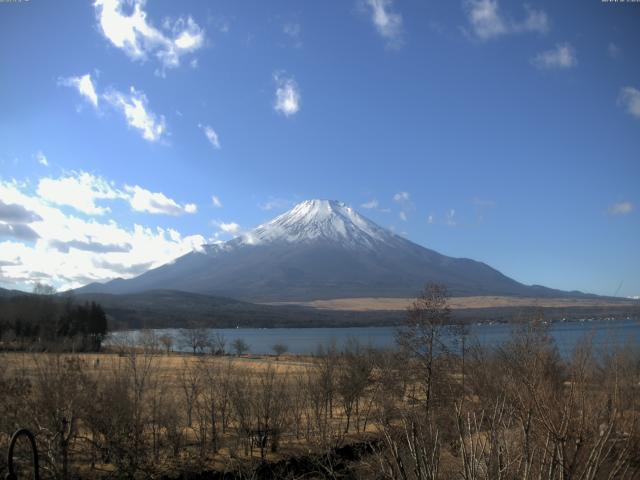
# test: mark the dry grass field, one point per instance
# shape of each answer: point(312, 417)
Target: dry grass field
point(417, 413)
point(395, 304)
point(169, 366)
point(176, 412)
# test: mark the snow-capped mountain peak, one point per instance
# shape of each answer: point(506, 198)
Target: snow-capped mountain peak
point(319, 220)
point(320, 249)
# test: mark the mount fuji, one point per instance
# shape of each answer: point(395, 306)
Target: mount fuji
point(321, 249)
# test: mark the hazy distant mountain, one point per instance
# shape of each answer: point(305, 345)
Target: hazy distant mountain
point(321, 249)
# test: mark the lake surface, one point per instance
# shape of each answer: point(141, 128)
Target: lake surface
point(604, 333)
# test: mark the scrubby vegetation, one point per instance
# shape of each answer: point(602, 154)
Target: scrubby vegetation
point(515, 411)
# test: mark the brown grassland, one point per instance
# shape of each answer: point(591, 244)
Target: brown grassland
point(397, 304)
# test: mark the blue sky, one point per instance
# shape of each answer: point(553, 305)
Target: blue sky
point(507, 132)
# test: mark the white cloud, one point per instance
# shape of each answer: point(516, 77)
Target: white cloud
point(401, 197)
point(370, 204)
point(79, 191)
point(138, 38)
point(621, 208)
point(613, 50)
point(135, 109)
point(143, 200)
point(562, 56)
point(216, 201)
point(133, 105)
point(230, 227)
point(84, 85)
point(221, 23)
point(70, 251)
point(42, 159)
point(287, 95)
point(274, 203)
point(536, 21)
point(482, 206)
point(487, 21)
point(629, 98)
point(292, 30)
point(431, 219)
point(387, 23)
point(450, 218)
point(211, 135)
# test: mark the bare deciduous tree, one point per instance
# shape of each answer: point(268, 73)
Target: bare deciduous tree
point(424, 336)
point(195, 339)
point(279, 349)
point(217, 344)
point(240, 346)
point(353, 379)
point(190, 384)
point(167, 342)
point(56, 407)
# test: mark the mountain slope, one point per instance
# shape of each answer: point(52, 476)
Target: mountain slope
point(321, 249)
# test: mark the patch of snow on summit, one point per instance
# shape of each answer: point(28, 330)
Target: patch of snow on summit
point(320, 220)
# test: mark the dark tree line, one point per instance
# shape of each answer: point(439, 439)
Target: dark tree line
point(48, 321)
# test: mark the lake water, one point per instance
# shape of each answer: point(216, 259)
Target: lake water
point(605, 333)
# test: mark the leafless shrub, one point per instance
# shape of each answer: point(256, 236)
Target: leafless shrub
point(195, 339)
point(352, 381)
point(261, 409)
point(240, 346)
point(149, 341)
point(279, 349)
point(213, 403)
point(190, 385)
point(167, 342)
point(118, 414)
point(217, 344)
point(55, 404)
point(411, 448)
point(544, 418)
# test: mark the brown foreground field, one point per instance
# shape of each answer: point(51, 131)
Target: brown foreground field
point(517, 412)
point(145, 413)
